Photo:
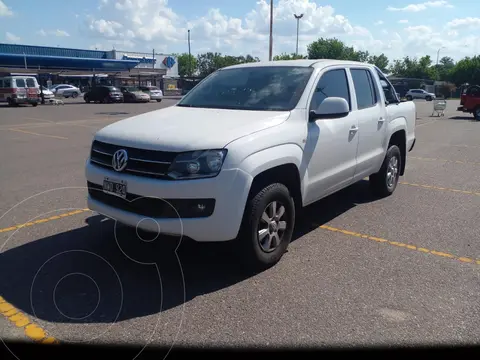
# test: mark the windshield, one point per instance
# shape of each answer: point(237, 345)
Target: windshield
point(274, 88)
point(131, 88)
point(112, 88)
point(153, 88)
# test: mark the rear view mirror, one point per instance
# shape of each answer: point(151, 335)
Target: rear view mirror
point(331, 107)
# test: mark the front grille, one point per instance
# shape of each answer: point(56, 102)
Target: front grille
point(154, 207)
point(148, 163)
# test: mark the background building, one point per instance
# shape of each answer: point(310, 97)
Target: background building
point(82, 67)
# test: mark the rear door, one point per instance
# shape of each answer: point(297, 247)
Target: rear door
point(21, 86)
point(32, 91)
point(370, 113)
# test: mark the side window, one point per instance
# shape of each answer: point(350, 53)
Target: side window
point(1, 83)
point(7, 83)
point(388, 89)
point(20, 83)
point(333, 83)
point(363, 88)
point(30, 83)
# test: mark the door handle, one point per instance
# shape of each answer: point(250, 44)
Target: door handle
point(354, 128)
point(381, 120)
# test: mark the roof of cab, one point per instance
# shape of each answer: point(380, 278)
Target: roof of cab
point(316, 63)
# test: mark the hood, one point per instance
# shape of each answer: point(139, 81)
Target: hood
point(184, 129)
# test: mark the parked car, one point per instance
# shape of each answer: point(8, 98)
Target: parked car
point(133, 94)
point(154, 92)
point(19, 89)
point(104, 94)
point(47, 94)
point(65, 90)
point(248, 148)
point(470, 101)
point(419, 94)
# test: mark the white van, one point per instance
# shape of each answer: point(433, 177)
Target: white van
point(19, 89)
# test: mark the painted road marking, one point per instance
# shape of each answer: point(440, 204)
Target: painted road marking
point(440, 188)
point(41, 221)
point(20, 320)
point(403, 245)
point(37, 134)
point(444, 160)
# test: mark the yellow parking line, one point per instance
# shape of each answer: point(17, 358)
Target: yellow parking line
point(41, 221)
point(403, 245)
point(440, 188)
point(37, 134)
point(20, 320)
point(444, 160)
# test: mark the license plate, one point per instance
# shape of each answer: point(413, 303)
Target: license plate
point(115, 187)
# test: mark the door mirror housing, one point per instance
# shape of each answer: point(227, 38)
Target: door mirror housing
point(330, 108)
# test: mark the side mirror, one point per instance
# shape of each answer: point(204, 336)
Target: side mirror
point(330, 108)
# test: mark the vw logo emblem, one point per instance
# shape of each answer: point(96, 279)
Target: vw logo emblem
point(119, 160)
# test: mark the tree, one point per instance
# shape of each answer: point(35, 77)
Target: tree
point(380, 61)
point(330, 49)
point(466, 70)
point(414, 68)
point(187, 64)
point(210, 62)
point(286, 56)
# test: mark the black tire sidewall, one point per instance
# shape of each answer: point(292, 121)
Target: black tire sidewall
point(392, 151)
point(409, 98)
point(256, 206)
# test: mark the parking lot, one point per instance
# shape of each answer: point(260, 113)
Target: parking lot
point(361, 271)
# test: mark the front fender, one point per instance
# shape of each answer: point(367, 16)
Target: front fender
point(266, 159)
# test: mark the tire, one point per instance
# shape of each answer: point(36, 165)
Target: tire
point(476, 113)
point(87, 100)
point(159, 100)
point(428, 98)
point(34, 104)
point(10, 102)
point(75, 95)
point(255, 252)
point(381, 183)
point(409, 98)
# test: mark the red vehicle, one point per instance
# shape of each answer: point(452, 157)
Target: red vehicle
point(16, 90)
point(470, 101)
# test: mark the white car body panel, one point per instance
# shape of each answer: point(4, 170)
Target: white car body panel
point(328, 155)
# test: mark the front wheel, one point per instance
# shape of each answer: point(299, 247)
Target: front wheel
point(476, 113)
point(385, 181)
point(409, 98)
point(267, 227)
point(428, 98)
point(74, 95)
point(34, 104)
point(159, 100)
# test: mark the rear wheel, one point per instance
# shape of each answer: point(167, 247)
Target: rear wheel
point(87, 100)
point(409, 97)
point(10, 102)
point(385, 181)
point(428, 98)
point(159, 100)
point(75, 95)
point(34, 104)
point(267, 227)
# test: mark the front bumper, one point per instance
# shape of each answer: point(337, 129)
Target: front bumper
point(229, 190)
point(156, 97)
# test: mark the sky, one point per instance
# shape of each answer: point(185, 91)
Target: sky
point(396, 28)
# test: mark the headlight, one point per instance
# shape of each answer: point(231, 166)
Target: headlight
point(197, 164)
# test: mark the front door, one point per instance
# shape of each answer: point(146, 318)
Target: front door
point(331, 145)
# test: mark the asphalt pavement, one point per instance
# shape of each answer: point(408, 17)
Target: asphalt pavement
point(361, 271)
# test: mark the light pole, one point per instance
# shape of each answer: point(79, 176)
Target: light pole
point(436, 67)
point(189, 56)
point(298, 17)
point(270, 50)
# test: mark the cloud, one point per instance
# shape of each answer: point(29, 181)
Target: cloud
point(403, 21)
point(59, 33)
point(5, 10)
point(379, 22)
point(11, 37)
point(465, 23)
point(422, 6)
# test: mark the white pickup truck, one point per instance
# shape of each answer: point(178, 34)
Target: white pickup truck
point(247, 148)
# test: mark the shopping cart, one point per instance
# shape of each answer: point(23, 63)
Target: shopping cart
point(439, 107)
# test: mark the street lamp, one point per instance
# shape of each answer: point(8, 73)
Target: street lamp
point(436, 67)
point(189, 56)
point(298, 17)
point(270, 50)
